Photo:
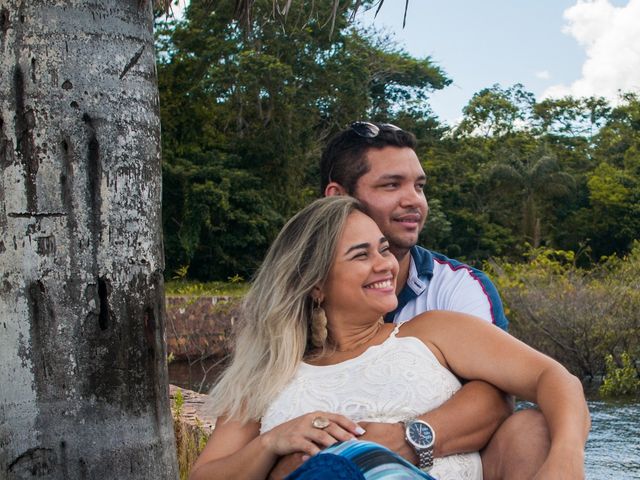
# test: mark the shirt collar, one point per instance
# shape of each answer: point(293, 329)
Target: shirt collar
point(421, 265)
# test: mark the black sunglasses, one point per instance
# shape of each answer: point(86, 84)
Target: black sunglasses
point(369, 130)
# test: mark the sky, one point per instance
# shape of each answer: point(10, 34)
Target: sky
point(553, 47)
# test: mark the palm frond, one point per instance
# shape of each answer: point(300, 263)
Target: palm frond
point(505, 175)
point(406, 9)
point(544, 166)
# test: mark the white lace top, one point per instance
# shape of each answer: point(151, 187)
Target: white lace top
point(396, 380)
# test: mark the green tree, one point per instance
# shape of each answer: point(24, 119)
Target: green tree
point(535, 181)
point(571, 117)
point(495, 111)
point(456, 184)
point(246, 112)
point(611, 220)
point(560, 172)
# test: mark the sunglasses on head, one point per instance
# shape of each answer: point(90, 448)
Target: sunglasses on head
point(370, 130)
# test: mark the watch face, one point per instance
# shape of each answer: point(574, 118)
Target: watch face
point(420, 434)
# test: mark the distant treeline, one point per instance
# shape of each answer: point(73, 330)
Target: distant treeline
point(245, 113)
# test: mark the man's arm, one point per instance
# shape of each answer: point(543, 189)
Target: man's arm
point(464, 423)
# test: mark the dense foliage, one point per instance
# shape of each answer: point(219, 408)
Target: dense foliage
point(586, 319)
point(517, 173)
point(620, 381)
point(244, 115)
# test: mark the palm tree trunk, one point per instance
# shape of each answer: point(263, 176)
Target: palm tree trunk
point(536, 233)
point(528, 219)
point(83, 378)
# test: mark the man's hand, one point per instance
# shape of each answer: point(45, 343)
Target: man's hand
point(390, 435)
point(286, 465)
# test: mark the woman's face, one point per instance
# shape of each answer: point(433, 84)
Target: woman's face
point(362, 279)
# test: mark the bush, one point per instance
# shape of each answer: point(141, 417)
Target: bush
point(576, 316)
point(620, 380)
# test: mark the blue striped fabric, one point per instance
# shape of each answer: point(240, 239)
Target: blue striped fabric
point(358, 459)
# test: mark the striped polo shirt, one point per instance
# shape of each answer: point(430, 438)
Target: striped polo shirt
point(437, 282)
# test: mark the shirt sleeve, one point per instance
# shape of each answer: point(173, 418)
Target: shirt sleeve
point(461, 288)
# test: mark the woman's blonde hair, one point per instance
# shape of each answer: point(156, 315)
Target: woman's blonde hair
point(274, 330)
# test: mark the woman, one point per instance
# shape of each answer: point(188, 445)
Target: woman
point(312, 318)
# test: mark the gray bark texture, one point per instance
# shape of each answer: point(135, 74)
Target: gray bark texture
point(83, 376)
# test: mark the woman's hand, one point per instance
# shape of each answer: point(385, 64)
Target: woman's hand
point(299, 434)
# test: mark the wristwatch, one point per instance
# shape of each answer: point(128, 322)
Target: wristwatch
point(421, 436)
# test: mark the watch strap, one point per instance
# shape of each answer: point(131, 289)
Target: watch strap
point(425, 457)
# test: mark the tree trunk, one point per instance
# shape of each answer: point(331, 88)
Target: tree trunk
point(83, 377)
point(528, 219)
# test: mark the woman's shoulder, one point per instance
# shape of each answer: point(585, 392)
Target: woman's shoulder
point(432, 326)
point(425, 328)
point(430, 320)
point(438, 318)
point(443, 330)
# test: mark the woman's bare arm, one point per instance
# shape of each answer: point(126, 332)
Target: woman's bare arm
point(239, 451)
point(474, 349)
point(233, 451)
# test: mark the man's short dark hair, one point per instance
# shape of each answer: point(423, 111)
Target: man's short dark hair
point(344, 159)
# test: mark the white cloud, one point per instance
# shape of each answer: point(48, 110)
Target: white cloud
point(611, 38)
point(543, 75)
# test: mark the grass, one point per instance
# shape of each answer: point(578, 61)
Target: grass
point(180, 288)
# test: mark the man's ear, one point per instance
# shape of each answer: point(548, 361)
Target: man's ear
point(334, 188)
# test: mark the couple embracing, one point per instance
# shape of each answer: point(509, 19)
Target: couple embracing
point(354, 343)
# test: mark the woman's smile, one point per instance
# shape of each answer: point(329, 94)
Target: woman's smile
point(384, 285)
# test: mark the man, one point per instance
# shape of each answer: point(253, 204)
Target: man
point(377, 164)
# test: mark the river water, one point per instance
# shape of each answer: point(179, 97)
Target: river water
point(613, 448)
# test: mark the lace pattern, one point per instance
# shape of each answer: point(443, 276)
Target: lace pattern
point(391, 382)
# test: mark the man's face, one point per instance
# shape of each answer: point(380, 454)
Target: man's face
point(392, 193)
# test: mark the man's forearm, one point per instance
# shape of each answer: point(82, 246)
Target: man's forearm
point(466, 421)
